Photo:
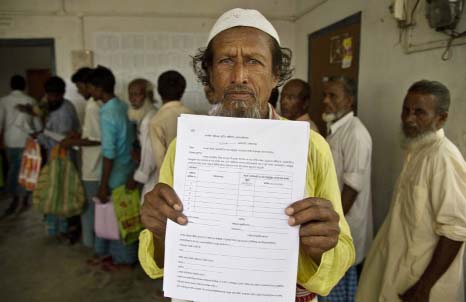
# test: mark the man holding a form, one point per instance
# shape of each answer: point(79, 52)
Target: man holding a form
point(242, 63)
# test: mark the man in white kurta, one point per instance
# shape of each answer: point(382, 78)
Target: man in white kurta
point(351, 146)
point(16, 127)
point(146, 173)
point(141, 111)
point(91, 158)
point(418, 252)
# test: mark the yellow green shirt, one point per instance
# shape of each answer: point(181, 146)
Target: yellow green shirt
point(321, 182)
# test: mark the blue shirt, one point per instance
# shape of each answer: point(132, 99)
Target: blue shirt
point(60, 121)
point(117, 140)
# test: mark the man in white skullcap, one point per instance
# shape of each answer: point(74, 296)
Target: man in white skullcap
point(242, 63)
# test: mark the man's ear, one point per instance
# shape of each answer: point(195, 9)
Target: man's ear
point(276, 77)
point(350, 102)
point(306, 103)
point(442, 119)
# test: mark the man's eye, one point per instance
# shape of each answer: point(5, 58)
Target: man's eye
point(253, 61)
point(225, 61)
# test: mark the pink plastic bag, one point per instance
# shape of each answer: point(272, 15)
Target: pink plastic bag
point(105, 221)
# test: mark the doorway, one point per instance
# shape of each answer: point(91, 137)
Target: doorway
point(333, 51)
point(34, 59)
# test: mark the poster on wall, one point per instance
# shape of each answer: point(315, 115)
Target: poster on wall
point(336, 51)
point(81, 58)
point(341, 50)
point(147, 55)
point(347, 53)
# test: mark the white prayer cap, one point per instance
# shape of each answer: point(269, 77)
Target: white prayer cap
point(243, 17)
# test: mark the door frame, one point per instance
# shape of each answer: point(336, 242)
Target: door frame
point(350, 20)
point(47, 42)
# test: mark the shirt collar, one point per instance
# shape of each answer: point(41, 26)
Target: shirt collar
point(171, 104)
point(304, 117)
point(16, 92)
point(273, 115)
point(108, 103)
point(342, 121)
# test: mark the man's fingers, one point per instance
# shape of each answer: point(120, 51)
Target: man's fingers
point(323, 243)
point(319, 229)
point(172, 214)
point(162, 203)
point(168, 194)
point(313, 214)
point(303, 204)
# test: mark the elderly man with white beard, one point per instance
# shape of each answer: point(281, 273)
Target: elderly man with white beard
point(418, 253)
point(242, 63)
point(140, 112)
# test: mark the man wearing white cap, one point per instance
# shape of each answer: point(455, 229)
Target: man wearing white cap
point(242, 63)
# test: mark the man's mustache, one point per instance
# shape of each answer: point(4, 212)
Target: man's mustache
point(238, 89)
point(409, 126)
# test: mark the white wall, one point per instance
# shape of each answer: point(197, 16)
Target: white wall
point(385, 74)
point(202, 8)
point(73, 24)
point(65, 31)
point(194, 95)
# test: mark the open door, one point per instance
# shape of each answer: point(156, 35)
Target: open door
point(32, 58)
point(36, 79)
point(333, 51)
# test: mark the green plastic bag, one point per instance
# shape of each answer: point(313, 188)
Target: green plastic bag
point(126, 204)
point(59, 190)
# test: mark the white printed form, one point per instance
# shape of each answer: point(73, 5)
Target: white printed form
point(235, 178)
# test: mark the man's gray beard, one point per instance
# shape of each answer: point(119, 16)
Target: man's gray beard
point(136, 115)
point(409, 142)
point(238, 109)
point(329, 118)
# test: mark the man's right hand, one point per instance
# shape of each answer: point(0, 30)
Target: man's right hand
point(103, 193)
point(35, 135)
point(159, 204)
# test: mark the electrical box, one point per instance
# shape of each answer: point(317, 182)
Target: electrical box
point(421, 36)
point(444, 14)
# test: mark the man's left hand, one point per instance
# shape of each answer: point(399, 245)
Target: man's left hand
point(417, 292)
point(319, 225)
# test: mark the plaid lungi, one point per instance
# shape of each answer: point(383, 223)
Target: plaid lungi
point(345, 290)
